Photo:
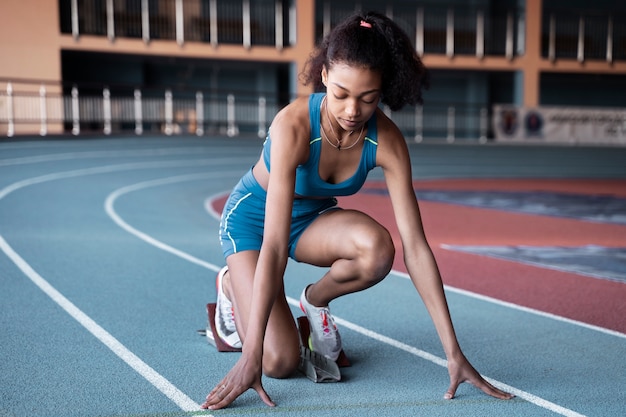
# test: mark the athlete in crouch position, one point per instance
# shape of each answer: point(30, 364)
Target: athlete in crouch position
point(317, 148)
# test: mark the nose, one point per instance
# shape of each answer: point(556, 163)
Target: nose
point(352, 109)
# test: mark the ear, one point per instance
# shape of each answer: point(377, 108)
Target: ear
point(324, 76)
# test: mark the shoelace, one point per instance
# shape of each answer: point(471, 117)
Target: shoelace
point(228, 313)
point(325, 321)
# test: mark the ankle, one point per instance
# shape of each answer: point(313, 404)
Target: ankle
point(309, 295)
point(226, 285)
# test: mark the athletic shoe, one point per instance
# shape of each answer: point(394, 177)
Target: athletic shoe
point(324, 338)
point(225, 315)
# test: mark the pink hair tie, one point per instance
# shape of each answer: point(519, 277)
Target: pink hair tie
point(366, 24)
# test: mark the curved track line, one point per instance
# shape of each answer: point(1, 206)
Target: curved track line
point(99, 154)
point(105, 169)
point(142, 368)
point(157, 380)
point(110, 210)
point(442, 362)
point(208, 204)
point(359, 329)
point(527, 309)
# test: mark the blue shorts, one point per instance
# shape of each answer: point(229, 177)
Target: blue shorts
point(243, 217)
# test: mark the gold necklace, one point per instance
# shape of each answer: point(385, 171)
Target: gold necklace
point(338, 145)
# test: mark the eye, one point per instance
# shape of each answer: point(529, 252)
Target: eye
point(370, 99)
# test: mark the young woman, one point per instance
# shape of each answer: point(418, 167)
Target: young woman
point(317, 148)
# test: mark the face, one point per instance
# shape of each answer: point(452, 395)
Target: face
point(353, 94)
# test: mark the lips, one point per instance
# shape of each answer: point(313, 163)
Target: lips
point(351, 124)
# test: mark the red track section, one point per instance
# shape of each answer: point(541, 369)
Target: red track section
point(578, 297)
point(590, 300)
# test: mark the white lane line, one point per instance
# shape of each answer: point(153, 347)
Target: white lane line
point(110, 210)
point(142, 368)
point(105, 169)
point(209, 206)
point(105, 154)
point(102, 170)
point(531, 310)
point(359, 329)
point(157, 380)
point(442, 362)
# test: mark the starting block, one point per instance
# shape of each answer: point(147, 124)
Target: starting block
point(305, 331)
point(316, 367)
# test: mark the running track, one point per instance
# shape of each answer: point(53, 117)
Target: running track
point(106, 246)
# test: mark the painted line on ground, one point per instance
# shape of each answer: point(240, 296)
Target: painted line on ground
point(110, 210)
point(442, 362)
point(105, 169)
point(142, 368)
point(157, 380)
point(100, 154)
point(529, 310)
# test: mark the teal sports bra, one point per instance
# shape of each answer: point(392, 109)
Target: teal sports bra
point(308, 181)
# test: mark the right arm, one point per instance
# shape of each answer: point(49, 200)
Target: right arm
point(286, 151)
point(290, 142)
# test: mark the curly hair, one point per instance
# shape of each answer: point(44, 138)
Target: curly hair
point(372, 40)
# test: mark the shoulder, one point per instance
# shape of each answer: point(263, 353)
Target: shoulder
point(392, 145)
point(292, 118)
point(291, 128)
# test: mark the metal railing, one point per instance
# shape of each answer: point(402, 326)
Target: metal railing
point(243, 22)
point(584, 35)
point(454, 30)
point(117, 110)
point(450, 30)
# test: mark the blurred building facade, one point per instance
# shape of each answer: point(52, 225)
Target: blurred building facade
point(228, 65)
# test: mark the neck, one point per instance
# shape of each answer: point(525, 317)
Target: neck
point(336, 141)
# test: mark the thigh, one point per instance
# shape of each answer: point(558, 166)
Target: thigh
point(241, 224)
point(341, 234)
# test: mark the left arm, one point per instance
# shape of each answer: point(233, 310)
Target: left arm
point(393, 157)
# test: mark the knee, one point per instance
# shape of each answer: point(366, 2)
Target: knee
point(281, 364)
point(378, 255)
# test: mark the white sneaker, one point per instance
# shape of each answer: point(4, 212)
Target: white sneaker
point(225, 315)
point(324, 338)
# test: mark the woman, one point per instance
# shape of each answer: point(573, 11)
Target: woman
point(317, 148)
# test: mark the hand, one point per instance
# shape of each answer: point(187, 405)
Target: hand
point(461, 370)
point(244, 375)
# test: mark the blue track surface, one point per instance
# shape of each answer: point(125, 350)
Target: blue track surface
point(108, 257)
